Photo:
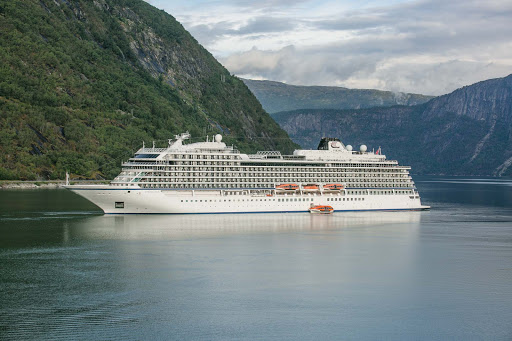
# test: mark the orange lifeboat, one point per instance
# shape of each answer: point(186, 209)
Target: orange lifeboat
point(287, 187)
point(311, 188)
point(322, 209)
point(333, 187)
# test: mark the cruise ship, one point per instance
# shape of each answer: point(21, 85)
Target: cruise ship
point(211, 177)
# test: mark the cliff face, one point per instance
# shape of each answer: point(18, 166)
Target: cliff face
point(276, 97)
point(488, 100)
point(467, 132)
point(83, 82)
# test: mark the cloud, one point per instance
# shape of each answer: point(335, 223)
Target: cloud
point(426, 46)
point(330, 66)
point(267, 4)
point(259, 26)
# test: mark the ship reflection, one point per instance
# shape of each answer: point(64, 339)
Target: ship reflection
point(179, 226)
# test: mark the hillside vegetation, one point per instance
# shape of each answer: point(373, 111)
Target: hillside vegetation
point(83, 83)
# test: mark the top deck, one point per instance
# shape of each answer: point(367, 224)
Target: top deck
point(329, 149)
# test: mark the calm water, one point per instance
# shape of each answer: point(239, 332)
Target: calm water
point(68, 272)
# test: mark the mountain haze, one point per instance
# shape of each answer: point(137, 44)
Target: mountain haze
point(82, 83)
point(466, 132)
point(276, 97)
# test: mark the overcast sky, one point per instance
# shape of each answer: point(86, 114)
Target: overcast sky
point(429, 47)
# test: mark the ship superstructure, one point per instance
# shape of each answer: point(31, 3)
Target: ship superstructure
point(211, 177)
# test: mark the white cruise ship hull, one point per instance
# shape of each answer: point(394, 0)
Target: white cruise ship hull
point(133, 200)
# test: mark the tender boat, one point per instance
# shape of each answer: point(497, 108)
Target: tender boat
point(287, 187)
point(323, 209)
point(311, 188)
point(333, 187)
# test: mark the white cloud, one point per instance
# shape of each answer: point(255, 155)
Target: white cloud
point(427, 46)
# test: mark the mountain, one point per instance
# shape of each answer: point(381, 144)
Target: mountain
point(277, 97)
point(466, 132)
point(83, 83)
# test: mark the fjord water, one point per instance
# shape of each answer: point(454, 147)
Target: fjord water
point(69, 272)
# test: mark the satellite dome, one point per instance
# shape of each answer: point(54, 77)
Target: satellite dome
point(363, 148)
point(349, 148)
point(218, 138)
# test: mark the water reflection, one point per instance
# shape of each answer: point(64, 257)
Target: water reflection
point(179, 226)
point(71, 274)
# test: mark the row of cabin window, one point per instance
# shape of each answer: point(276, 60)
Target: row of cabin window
point(272, 170)
point(256, 186)
point(219, 182)
point(203, 156)
point(278, 200)
point(234, 200)
point(349, 182)
point(277, 178)
point(277, 169)
point(221, 171)
point(234, 185)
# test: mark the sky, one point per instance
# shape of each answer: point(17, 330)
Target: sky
point(429, 47)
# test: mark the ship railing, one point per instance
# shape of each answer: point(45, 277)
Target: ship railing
point(320, 166)
point(227, 150)
point(263, 157)
point(131, 164)
point(206, 151)
point(151, 150)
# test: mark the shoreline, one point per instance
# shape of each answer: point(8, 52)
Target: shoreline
point(22, 185)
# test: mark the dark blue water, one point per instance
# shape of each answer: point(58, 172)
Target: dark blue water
point(68, 272)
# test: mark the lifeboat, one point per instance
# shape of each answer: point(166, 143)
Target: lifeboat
point(287, 187)
point(311, 188)
point(333, 187)
point(322, 209)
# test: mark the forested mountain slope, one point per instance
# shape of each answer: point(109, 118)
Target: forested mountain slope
point(82, 83)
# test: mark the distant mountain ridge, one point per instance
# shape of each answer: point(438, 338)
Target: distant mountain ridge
point(276, 97)
point(466, 132)
point(82, 83)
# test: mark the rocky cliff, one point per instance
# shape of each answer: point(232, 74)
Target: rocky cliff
point(467, 132)
point(276, 97)
point(82, 83)
point(488, 100)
